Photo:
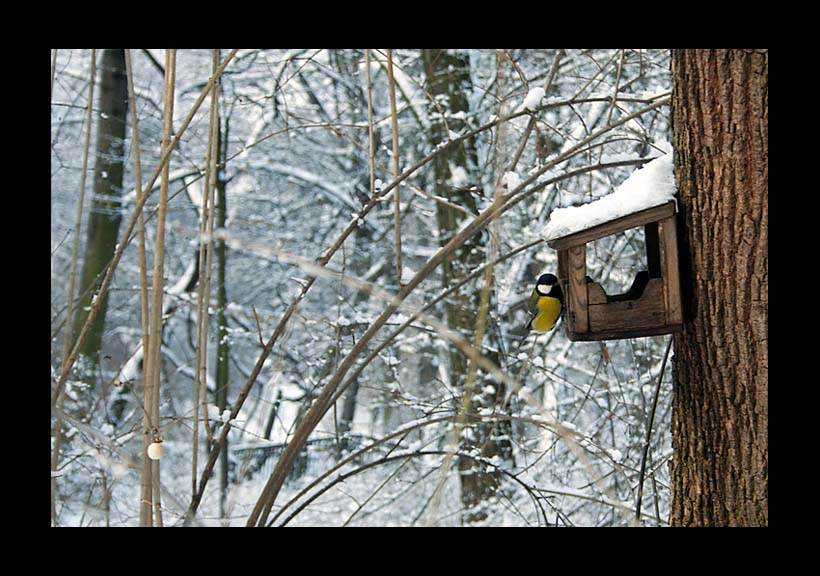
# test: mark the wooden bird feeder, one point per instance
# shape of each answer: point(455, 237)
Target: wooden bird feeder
point(651, 306)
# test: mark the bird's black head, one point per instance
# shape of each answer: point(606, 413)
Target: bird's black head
point(548, 285)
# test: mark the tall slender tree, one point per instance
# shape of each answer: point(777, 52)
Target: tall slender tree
point(222, 347)
point(720, 423)
point(104, 218)
point(456, 179)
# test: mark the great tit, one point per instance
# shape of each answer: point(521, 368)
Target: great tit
point(546, 304)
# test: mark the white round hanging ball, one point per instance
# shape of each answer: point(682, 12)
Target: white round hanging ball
point(155, 451)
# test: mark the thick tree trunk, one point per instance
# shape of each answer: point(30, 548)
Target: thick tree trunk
point(105, 216)
point(720, 422)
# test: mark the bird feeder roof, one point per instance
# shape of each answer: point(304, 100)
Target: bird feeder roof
point(648, 187)
point(604, 229)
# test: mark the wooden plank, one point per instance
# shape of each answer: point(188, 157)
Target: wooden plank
point(563, 267)
point(628, 319)
point(621, 334)
point(614, 226)
point(563, 278)
point(635, 290)
point(667, 230)
point(577, 306)
point(648, 311)
point(595, 294)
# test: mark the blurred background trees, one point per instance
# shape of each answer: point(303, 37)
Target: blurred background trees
point(293, 172)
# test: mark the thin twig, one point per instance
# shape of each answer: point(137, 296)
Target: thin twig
point(645, 453)
point(53, 70)
point(67, 334)
point(372, 152)
point(203, 292)
point(155, 337)
point(72, 275)
point(531, 123)
point(145, 485)
point(372, 495)
point(615, 90)
point(258, 326)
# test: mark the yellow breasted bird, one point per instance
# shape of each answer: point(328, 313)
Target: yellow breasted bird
point(546, 303)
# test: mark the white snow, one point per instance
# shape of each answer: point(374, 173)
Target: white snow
point(511, 180)
point(458, 176)
point(652, 185)
point(324, 185)
point(213, 412)
point(533, 98)
point(184, 280)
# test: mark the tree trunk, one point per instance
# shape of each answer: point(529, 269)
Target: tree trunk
point(105, 216)
point(455, 172)
point(221, 319)
point(720, 413)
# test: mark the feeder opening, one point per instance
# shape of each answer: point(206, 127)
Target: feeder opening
point(614, 260)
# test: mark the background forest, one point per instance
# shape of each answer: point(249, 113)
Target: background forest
point(283, 237)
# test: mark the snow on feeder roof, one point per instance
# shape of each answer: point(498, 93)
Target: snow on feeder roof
point(651, 185)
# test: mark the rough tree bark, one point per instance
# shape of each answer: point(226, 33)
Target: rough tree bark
point(720, 413)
